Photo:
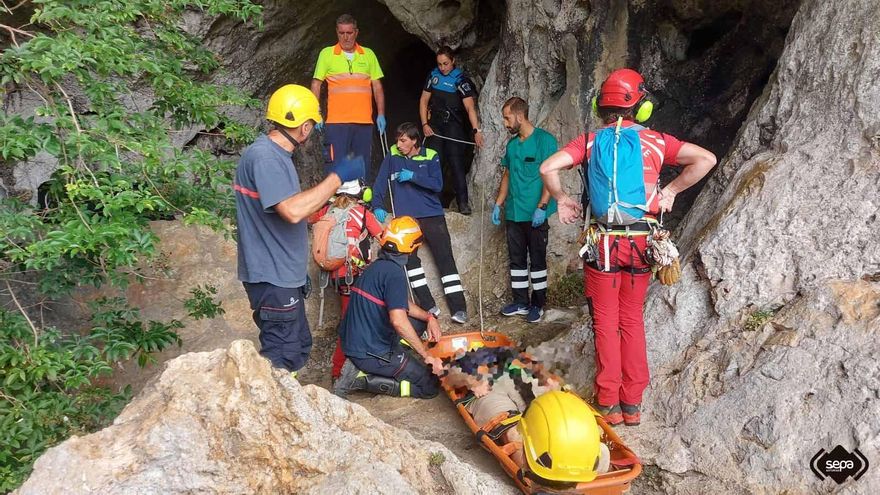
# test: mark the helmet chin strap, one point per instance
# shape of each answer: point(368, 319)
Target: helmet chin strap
point(296, 144)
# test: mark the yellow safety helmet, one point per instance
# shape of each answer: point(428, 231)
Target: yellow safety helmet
point(401, 236)
point(292, 105)
point(561, 438)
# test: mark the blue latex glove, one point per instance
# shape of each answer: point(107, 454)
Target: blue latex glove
point(381, 124)
point(319, 126)
point(496, 215)
point(405, 175)
point(538, 217)
point(381, 214)
point(349, 168)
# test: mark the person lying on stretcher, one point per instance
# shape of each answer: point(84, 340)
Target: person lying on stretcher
point(556, 442)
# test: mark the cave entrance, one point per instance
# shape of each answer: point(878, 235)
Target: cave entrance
point(405, 60)
point(706, 66)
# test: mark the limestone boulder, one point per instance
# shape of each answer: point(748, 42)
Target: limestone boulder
point(226, 422)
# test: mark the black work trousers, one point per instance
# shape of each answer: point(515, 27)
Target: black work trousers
point(452, 156)
point(414, 376)
point(527, 250)
point(436, 236)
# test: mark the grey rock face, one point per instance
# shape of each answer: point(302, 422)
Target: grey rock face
point(785, 226)
point(226, 422)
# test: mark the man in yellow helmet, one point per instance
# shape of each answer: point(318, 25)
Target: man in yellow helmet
point(379, 315)
point(273, 240)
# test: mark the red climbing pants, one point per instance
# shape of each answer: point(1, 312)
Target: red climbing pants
point(617, 299)
point(338, 356)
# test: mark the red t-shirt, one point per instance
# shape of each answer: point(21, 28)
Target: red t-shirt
point(658, 149)
point(360, 221)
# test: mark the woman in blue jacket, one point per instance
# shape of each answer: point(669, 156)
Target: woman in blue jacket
point(414, 175)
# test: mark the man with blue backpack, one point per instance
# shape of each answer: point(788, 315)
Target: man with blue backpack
point(621, 164)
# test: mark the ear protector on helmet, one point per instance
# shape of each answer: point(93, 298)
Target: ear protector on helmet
point(356, 189)
point(644, 108)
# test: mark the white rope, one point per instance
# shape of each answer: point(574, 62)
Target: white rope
point(480, 278)
point(323, 282)
point(450, 139)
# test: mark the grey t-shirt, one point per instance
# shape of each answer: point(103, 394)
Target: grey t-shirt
point(269, 248)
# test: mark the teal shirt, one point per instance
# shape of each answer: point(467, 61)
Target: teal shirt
point(523, 159)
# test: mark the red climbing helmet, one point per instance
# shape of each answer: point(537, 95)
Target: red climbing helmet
point(623, 88)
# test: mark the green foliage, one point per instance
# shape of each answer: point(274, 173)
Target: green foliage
point(436, 459)
point(567, 291)
point(47, 393)
point(119, 81)
point(202, 304)
point(118, 166)
point(757, 319)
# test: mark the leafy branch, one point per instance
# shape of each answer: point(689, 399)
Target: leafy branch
point(113, 81)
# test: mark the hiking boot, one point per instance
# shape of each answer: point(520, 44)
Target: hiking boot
point(460, 317)
point(515, 309)
point(611, 414)
point(535, 314)
point(631, 414)
point(349, 380)
point(465, 210)
point(435, 311)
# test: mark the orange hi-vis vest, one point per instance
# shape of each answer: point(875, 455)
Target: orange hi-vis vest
point(349, 84)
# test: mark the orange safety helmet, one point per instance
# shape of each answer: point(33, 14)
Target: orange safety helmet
point(401, 236)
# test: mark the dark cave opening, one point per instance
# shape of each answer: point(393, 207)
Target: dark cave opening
point(406, 61)
point(711, 68)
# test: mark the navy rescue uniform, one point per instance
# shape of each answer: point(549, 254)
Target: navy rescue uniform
point(448, 117)
point(370, 341)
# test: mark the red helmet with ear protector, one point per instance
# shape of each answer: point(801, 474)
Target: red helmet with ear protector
point(624, 88)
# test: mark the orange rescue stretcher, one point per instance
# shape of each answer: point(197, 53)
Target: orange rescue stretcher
point(625, 465)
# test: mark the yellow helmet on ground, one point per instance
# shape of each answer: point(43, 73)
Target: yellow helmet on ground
point(401, 236)
point(561, 438)
point(292, 105)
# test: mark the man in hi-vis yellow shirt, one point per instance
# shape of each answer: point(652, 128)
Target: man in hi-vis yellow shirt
point(353, 76)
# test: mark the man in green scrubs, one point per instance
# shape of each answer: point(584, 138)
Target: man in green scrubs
point(527, 206)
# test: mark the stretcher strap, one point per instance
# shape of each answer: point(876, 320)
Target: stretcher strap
point(496, 426)
point(467, 399)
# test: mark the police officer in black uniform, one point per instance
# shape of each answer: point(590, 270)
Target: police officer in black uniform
point(448, 104)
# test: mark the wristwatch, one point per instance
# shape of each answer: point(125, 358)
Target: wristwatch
point(542, 206)
point(476, 130)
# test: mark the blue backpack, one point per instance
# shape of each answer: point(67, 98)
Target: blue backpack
point(615, 180)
